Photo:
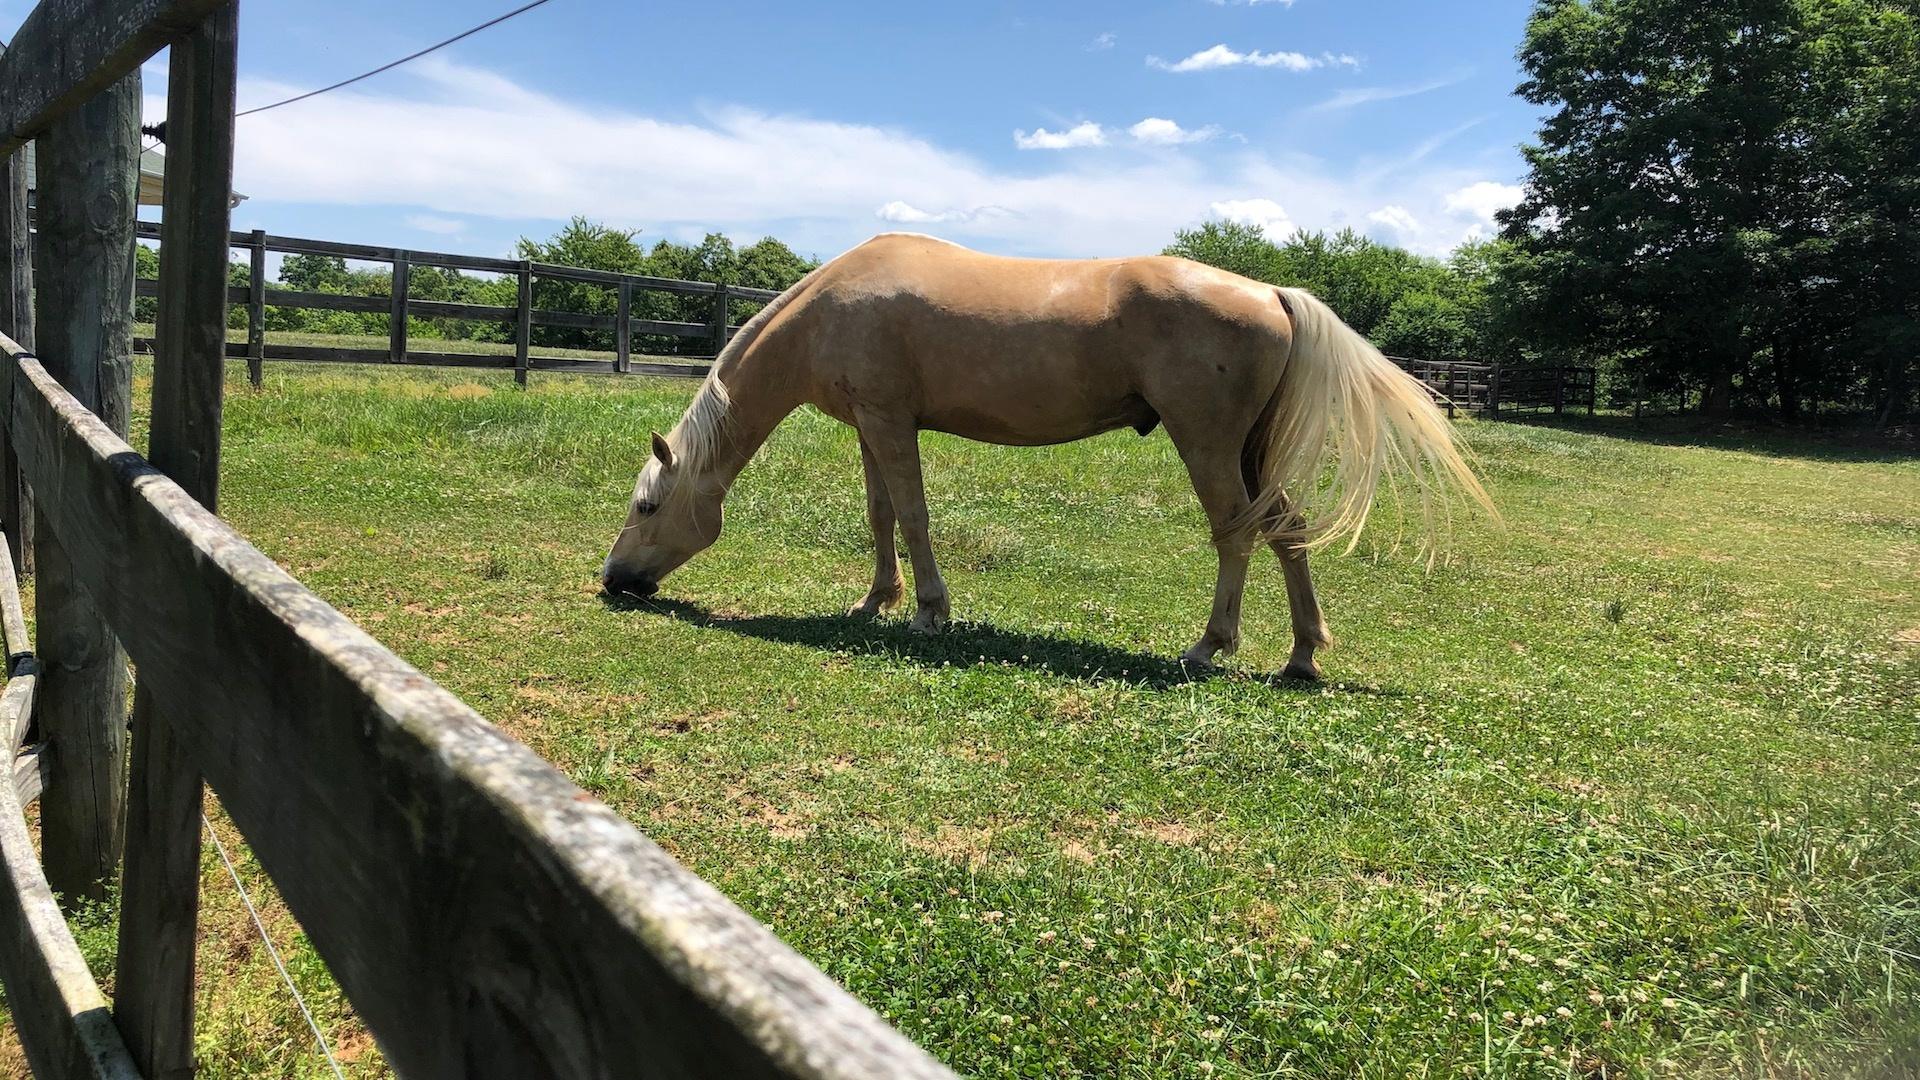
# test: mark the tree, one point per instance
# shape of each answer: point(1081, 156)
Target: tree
point(315, 273)
point(1709, 203)
point(1232, 246)
point(1406, 303)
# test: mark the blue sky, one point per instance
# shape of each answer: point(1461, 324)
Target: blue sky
point(1044, 129)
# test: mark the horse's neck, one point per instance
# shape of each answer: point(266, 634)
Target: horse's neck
point(759, 394)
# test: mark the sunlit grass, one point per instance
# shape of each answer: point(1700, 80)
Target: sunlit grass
point(1629, 787)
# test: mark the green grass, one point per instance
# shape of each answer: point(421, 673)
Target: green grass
point(1627, 788)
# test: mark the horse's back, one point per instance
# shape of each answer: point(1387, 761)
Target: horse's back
point(1033, 350)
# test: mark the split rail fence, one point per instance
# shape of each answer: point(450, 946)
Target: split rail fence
point(1473, 386)
point(485, 916)
point(400, 308)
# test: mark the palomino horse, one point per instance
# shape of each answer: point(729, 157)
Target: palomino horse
point(1259, 387)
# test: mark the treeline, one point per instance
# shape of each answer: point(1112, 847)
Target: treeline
point(766, 264)
point(1407, 304)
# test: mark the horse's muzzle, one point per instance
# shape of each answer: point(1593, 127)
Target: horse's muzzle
point(618, 584)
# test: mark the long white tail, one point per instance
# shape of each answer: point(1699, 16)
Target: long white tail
point(1339, 398)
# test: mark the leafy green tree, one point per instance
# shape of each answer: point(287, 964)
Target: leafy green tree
point(1428, 325)
point(1232, 246)
point(1722, 196)
point(315, 273)
point(1408, 304)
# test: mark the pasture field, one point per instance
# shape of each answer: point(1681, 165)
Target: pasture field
point(1630, 787)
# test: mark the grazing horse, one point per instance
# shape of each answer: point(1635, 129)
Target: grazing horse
point(1261, 389)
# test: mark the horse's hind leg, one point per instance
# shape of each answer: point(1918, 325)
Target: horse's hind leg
point(888, 585)
point(1309, 626)
point(896, 456)
point(1216, 480)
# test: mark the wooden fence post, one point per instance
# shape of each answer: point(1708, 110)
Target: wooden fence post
point(1560, 390)
point(721, 302)
point(160, 884)
point(16, 320)
point(84, 309)
point(397, 328)
point(623, 328)
point(1493, 390)
point(523, 325)
point(257, 307)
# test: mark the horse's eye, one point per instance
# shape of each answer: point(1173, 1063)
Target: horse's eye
point(644, 508)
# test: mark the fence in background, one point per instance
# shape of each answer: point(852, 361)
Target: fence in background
point(485, 916)
point(1473, 386)
point(523, 317)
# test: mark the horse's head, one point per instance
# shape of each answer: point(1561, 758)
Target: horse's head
point(673, 517)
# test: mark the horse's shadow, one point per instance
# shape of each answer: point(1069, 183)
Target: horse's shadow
point(970, 644)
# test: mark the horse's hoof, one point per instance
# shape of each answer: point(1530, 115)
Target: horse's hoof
point(928, 622)
point(865, 609)
point(1307, 672)
point(1198, 656)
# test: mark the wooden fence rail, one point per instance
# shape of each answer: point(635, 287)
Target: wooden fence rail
point(1476, 386)
point(400, 307)
point(485, 916)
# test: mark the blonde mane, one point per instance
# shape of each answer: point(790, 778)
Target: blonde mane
point(701, 436)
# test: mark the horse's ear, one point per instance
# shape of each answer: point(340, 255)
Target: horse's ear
point(662, 451)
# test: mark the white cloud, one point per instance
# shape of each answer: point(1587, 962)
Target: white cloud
point(1079, 135)
point(1102, 42)
point(1269, 215)
point(1396, 218)
point(1161, 132)
point(435, 224)
point(1483, 199)
point(447, 141)
point(905, 213)
point(1220, 56)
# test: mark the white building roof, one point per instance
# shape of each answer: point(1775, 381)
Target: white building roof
point(153, 172)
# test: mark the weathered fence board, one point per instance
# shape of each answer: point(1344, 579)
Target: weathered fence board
point(160, 878)
point(486, 917)
point(67, 51)
point(29, 774)
point(16, 702)
point(16, 318)
point(59, 1014)
point(13, 619)
point(84, 317)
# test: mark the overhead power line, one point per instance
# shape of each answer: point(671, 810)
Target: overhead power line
point(396, 63)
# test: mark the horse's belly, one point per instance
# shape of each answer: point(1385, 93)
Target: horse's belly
point(1036, 422)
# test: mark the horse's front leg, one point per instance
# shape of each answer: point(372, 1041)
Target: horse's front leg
point(888, 585)
point(895, 447)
